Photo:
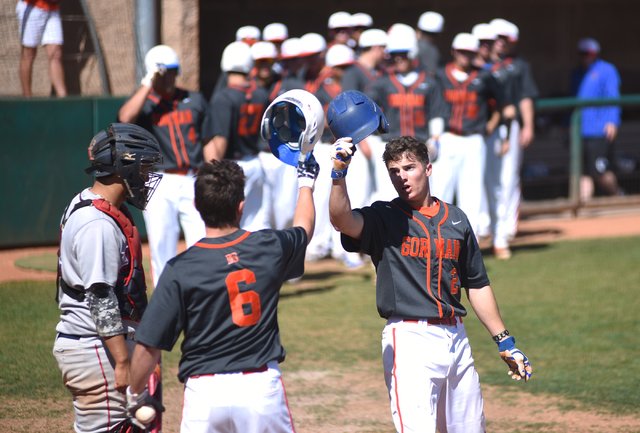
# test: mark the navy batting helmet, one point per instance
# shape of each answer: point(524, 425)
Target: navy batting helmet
point(130, 152)
point(353, 114)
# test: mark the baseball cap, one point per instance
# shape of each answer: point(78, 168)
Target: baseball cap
point(505, 28)
point(275, 32)
point(236, 57)
point(263, 50)
point(312, 43)
point(248, 34)
point(484, 32)
point(431, 22)
point(588, 45)
point(372, 38)
point(291, 48)
point(340, 20)
point(402, 38)
point(361, 20)
point(465, 42)
point(340, 55)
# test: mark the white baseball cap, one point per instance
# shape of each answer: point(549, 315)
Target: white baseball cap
point(484, 32)
point(505, 28)
point(291, 48)
point(465, 42)
point(248, 33)
point(361, 20)
point(400, 38)
point(236, 57)
point(275, 32)
point(340, 55)
point(263, 50)
point(340, 20)
point(372, 38)
point(312, 43)
point(431, 22)
point(588, 45)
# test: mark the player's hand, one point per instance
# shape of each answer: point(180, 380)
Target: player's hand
point(121, 371)
point(152, 74)
point(526, 136)
point(341, 153)
point(504, 147)
point(433, 146)
point(610, 131)
point(136, 401)
point(308, 169)
point(519, 366)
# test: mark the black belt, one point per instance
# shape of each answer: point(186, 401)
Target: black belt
point(78, 337)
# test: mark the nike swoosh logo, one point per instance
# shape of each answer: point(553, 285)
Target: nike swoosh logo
point(456, 222)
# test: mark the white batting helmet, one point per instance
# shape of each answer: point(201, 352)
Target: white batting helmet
point(236, 57)
point(248, 34)
point(431, 22)
point(402, 38)
point(275, 32)
point(162, 55)
point(340, 55)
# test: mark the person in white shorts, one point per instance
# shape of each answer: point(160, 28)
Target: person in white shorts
point(40, 23)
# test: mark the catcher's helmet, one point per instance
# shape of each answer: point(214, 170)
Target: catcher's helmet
point(353, 114)
point(124, 149)
point(162, 55)
point(292, 125)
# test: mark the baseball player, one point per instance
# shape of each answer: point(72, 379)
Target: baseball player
point(181, 122)
point(237, 110)
point(466, 92)
point(40, 23)
point(360, 23)
point(508, 67)
point(425, 252)
point(340, 28)
point(101, 282)
point(410, 99)
point(223, 294)
point(430, 25)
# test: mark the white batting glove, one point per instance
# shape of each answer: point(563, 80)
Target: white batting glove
point(136, 401)
point(341, 153)
point(308, 169)
point(158, 69)
point(519, 366)
point(433, 146)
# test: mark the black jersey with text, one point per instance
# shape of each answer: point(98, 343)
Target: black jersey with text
point(408, 109)
point(237, 112)
point(466, 104)
point(421, 263)
point(223, 294)
point(182, 125)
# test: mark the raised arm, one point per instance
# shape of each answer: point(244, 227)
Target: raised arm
point(342, 217)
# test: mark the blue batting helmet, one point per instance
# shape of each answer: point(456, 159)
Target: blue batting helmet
point(353, 114)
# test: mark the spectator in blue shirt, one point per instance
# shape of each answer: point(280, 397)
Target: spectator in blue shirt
point(595, 78)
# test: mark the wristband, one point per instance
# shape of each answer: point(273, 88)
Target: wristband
point(507, 344)
point(500, 336)
point(338, 174)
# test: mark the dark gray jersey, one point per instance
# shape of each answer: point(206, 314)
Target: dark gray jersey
point(421, 262)
point(223, 294)
point(359, 77)
point(515, 72)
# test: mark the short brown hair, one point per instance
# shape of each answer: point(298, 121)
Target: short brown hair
point(219, 190)
point(410, 147)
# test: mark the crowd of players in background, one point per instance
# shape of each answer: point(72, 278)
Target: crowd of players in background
point(473, 107)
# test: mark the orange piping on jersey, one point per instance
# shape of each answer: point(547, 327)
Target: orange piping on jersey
point(276, 90)
point(395, 378)
point(458, 108)
point(428, 258)
point(161, 103)
point(410, 108)
point(154, 98)
point(403, 106)
point(228, 244)
point(500, 63)
point(446, 215)
point(367, 73)
point(178, 130)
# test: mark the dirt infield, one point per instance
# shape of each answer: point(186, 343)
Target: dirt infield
point(356, 401)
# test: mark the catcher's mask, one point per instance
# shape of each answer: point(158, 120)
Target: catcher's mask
point(292, 125)
point(353, 114)
point(131, 152)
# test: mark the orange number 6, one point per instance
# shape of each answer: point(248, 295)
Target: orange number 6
point(238, 298)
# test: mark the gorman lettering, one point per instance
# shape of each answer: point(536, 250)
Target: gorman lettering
point(459, 96)
point(411, 100)
point(176, 117)
point(419, 247)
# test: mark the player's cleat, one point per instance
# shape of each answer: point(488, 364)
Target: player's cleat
point(502, 253)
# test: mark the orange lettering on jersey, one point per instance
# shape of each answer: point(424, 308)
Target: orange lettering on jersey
point(406, 244)
point(424, 247)
point(472, 110)
point(449, 254)
point(415, 247)
point(456, 245)
point(410, 100)
point(439, 248)
point(182, 117)
point(232, 258)
point(459, 96)
point(454, 282)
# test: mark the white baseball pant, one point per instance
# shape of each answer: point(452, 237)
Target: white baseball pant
point(383, 188)
point(280, 191)
point(170, 208)
point(237, 402)
point(492, 189)
point(460, 170)
point(511, 193)
point(431, 378)
point(254, 215)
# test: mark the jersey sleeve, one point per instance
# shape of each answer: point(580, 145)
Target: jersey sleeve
point(294, 247)
point(496, 92)
point(164, 318)
point(207, 126)
point(528, 88)
point(221, 110)
point(97, 248)
point(373, 233)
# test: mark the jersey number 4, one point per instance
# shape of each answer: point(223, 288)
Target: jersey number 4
point(238, 298)
point(250, 115)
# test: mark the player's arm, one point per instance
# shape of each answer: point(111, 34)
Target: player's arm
point(527, 111)
point(217, 148)
point(131, 109)
point(143, 363)
point(305, 213)
point(105, 312)
point(484, 304)
point(342, 217)
point(209, 150)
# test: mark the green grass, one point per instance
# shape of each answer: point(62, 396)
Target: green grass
point(572, 307)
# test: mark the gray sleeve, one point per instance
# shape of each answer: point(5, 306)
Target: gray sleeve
point(105, 312)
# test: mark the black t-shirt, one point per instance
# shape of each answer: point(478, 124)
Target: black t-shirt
point(223, 294)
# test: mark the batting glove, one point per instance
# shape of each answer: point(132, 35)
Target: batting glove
point(151, 75)
point(308, 169)
point(341, 153)
point(433, 146)
point(136, 401)
point(519, 367)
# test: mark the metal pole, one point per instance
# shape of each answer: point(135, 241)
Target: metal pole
point(146, 30)
point(576, 159)
point(104, 76)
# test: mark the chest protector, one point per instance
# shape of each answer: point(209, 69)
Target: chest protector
point(131, 286)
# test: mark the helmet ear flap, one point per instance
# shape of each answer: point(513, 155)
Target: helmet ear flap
point(384, 125)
